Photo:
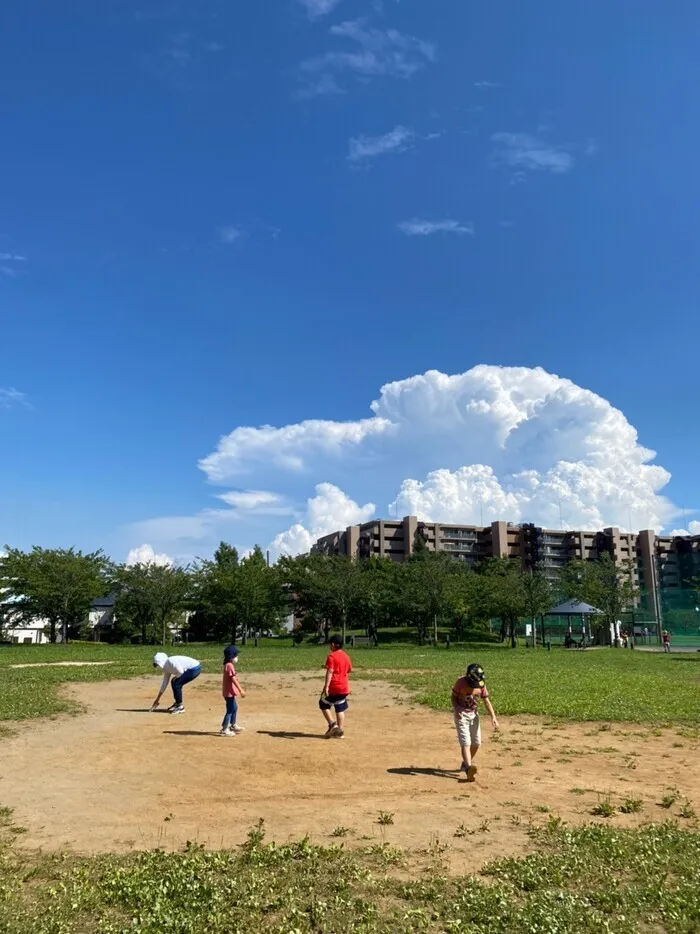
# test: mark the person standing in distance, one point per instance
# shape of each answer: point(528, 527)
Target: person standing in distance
point(336, 689)
point(182, 670)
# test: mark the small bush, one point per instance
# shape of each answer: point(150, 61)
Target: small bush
point(631, 806)
point(604, 808)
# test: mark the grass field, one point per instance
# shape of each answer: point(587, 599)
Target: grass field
point(599, 684)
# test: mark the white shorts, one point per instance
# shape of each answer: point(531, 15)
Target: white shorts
point(468, 729)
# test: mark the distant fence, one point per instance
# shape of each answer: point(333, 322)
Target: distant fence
point(680, 615)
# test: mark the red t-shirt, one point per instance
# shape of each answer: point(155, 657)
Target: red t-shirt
point(341, 666)
point(228, 688)
point(465, 698)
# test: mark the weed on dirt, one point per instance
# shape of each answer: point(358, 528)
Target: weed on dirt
point(302, 887)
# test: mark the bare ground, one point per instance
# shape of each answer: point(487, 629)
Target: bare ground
point(119, 778)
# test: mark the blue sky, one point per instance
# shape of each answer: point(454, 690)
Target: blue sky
point(224, 214)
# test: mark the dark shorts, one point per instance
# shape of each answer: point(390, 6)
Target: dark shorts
point(339, 701)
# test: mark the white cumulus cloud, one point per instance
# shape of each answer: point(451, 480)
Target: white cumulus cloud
point(286, 447)
point(328, 510)
point(517, 444)
point(145, 554)
point(693, 529)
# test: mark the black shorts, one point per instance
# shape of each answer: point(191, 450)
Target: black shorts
point(339, 701)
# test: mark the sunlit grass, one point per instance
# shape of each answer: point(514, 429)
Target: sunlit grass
point(602, 684)
point(584, 880)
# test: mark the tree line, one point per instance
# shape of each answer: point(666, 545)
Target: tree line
point(222, 598)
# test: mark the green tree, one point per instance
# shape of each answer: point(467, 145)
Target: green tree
point(260, 600)
point(429, 590)
point(505, 594)
point(55, 584)
point(150, 597)
point(605, 585)
point(539, 597)
point(233, 596)
point(374, 605)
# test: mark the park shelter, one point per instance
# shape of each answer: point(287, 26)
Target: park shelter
point(572, 617)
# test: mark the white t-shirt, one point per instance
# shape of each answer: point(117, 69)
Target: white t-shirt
point(175, 666)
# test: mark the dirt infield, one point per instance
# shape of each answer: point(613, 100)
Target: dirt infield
point(119, 778)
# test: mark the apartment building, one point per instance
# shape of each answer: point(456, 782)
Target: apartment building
point(656, 562)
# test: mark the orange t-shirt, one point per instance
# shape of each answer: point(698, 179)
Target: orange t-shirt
point(229, 688)
point(339, 663)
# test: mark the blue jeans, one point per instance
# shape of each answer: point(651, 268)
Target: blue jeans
point(179, 683)
point(231, 713)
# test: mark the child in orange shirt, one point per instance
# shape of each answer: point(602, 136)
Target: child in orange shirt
point(231, 689)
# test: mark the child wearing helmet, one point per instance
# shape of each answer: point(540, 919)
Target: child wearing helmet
point(465, 706)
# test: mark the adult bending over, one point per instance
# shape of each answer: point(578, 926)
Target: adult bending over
point(182, 670)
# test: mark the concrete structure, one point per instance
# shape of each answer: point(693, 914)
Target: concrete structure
point(101, 617)
point(657, 563)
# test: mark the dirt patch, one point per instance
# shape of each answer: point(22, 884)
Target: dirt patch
point(120, 778)
point(60, 664)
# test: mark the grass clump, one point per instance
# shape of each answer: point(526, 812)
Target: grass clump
point(584, 880)
point(631, 806)
point(604, 808)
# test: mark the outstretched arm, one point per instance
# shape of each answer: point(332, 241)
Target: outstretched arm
point(164, 684)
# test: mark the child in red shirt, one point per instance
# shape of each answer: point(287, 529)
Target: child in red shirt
point(336, 689)
point(231, 689)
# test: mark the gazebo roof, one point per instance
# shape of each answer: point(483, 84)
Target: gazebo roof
point(574, 608)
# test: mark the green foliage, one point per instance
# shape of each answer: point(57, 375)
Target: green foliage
point(150, 599)
point(631, 806)
point(235, 596)
point(426, 593)
point(511, 594)
point(603, 584)
point(585, 880)
point(604, 808)
point(55, 584)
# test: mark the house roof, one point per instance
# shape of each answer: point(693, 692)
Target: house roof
point(103, 603)
point(574, 608)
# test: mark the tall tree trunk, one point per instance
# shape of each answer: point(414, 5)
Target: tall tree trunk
point(512, 634)
point(435, 629)
point(52, 631)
